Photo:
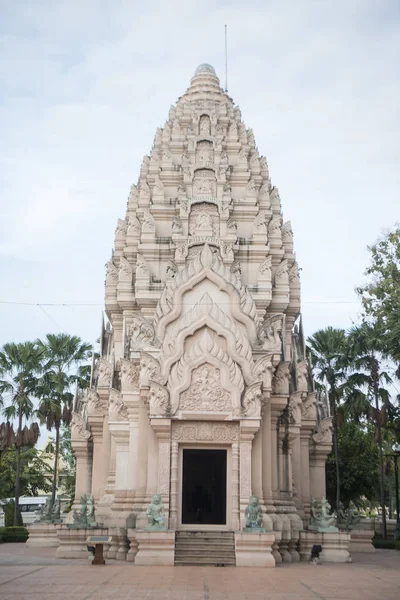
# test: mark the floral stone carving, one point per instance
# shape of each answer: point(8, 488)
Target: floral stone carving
point(205, 391)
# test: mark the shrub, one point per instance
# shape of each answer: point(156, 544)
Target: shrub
point(380, 543)
point(13, 534)
point(9, 514)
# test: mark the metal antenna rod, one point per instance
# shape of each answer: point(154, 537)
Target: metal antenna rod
point(226, 58)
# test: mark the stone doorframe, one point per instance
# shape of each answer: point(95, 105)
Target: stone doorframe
point(231, 485)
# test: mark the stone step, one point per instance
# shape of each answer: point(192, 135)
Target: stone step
point(202, 560)
point(205, 548)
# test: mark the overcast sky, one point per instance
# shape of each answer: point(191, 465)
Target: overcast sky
point(84, 85)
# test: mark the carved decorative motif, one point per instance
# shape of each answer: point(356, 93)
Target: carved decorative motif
point(129, 375)
point(251, 403)
point(270, 334)
point(204, 219)
point(142, 269)
point(206, 260)
point(159, 400)
point(140, 333)
point(105, 372)
point(148, 222)
point(117, 408)
point(281, 273)
point(309, 407)
point(302, 375)
point(260, 222)
point(205, 392)
point(323, 435)
point(79, 428)
point(111, 272)
point(295, 408)
point(194, 431)
point(121, 228)
point(94, 403)
point(263, 371)
point(280, 381)
point(125, 269)
point(149, 370)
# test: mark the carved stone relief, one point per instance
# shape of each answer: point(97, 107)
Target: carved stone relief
point(194, 431)
point(205, 392)
point(204, 183)
point(204, 219)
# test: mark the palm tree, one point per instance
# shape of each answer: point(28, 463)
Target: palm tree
point(367, 395)
point(19, 366)
point(327, 348)
point(62, 353)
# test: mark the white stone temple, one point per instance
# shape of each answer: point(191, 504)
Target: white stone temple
point(203, 391)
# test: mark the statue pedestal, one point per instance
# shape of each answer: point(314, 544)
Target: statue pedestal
point(133, 545)
point(119, 546)
point(42, 535)
point(155, 547)
point(254, 549)
point(72, 542)
point(361, 540)
point(335, 546)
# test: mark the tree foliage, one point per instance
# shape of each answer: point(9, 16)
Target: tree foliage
point(358, 463)
point(381, 294)
point(35, 474)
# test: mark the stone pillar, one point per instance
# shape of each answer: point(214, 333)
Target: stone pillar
point(152, 462)
point(173, 518)
point(320, 448)
point(256, 465)
point(266, 455)
point(305, 497)
point(247, 430)
point(96, 425)
point(110, 485)
point(83, 481)
point(162, 428)
point(143, 429)
point(132, 476)
point(105, 454)
point(120, 433)
point(235, 487)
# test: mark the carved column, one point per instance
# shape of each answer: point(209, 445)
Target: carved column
point(143, 428)
point(247, 430)
point(120, 434)
point(235, 487)
point(152, 463)
point(308, 420)
point(162, 428)
point(81, 441)
point(256, 465)
point(110, 485)
point(96, 425)
point(320, 448)
point(173, 519)
point(266, 453)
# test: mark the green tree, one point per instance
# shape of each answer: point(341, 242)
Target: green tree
point(63, 355)
point(358, 464)
point(367, 393)
point(35, 473)
point(327, 347)
point(381, 295)
point(19, 365)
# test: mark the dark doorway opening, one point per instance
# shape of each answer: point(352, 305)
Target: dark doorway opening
point(204, 487)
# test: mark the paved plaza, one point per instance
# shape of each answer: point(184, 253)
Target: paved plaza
point(34, 574)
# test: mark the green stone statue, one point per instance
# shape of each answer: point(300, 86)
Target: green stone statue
point(156, 514)
point(320, 519)
point(253, 516)
point(44, 513)
point(84, 517)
